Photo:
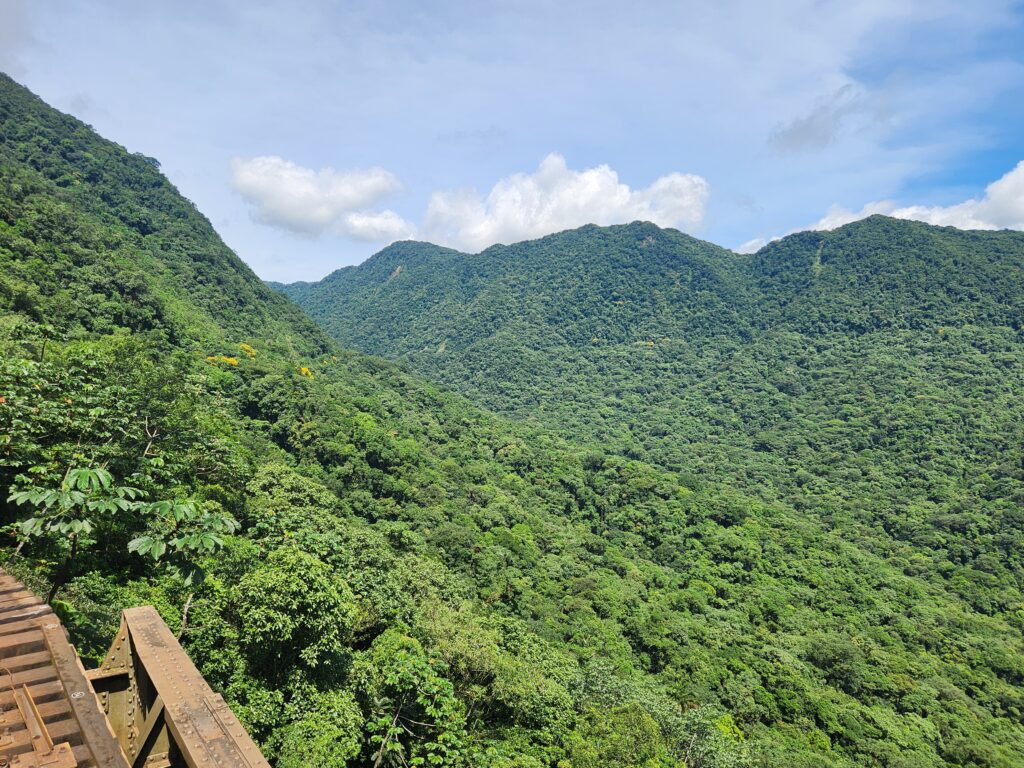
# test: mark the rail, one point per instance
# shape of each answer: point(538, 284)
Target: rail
point(145, 706)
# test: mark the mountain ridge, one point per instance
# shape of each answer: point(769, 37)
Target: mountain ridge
point(795, 581)
point(415, 244)
point(778, 284)
point(161, 238)
point(384, 546)
point(868, 378)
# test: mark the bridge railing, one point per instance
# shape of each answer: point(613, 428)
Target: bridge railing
point(161, 709)
point(145, 705)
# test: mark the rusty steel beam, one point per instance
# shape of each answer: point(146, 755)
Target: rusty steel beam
point(49, 715)
point(91, 720)
point(161, 708)
point(146, 706)
point(45, 754)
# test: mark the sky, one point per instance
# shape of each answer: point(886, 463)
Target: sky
point(314, 132)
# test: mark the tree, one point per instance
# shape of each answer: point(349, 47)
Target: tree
point(185, 531)
point(87, 507)
point(293, 610)
point(626, 737)
point(326, 736)
point(414, 716)
point(85, 503)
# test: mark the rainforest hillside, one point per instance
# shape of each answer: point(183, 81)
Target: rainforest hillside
point(352, 556)
point(871, 376)
point(377, 572)
point(869, 379)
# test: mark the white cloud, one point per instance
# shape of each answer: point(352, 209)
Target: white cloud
point(376, 225)
point(309, 202)
point(554, 198)
point(1002, 207)
point(837, 216)
point(751, 246)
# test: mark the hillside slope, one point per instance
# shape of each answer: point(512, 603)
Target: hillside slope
point(882, 273)
point(868, 379)
point(880, 361)
point(412, 580)
point(352, 556)
point(98, 231)
point(486, 323)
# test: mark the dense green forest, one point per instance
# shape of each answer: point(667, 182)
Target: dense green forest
point(699, 548)
point(871, 376)
point(864, 384)
point(371, 570)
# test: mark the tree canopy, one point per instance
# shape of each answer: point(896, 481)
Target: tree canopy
point(751, 569)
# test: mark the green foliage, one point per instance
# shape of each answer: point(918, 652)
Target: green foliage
point(293, 610)
point(85, 501)
point(327, 735)
point(817, 446)
point(626, 737)
point(185, 528)
point(415, 717)
point(714, 742)
point(725, 558)
point(97, 238)
point(87, 507)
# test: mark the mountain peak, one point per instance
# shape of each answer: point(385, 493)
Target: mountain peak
point(157, 250)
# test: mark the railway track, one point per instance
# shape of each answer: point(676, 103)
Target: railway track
point(146, 706)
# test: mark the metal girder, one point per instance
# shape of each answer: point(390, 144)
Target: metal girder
point(91, 720)
point(146, 706)
point(161, 708)
point(45, 754)
point(49, 716)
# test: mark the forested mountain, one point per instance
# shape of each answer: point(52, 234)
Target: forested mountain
point(866, 382)
point(377, 572)
point(371, 570)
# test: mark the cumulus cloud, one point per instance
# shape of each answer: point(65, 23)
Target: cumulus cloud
point(751, 246)
point(555, 197)
point(837, 216)
point(310, 202)
point(1002, 207)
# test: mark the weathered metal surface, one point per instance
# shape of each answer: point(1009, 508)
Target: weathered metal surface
point(44, 751)
point(145, 706)
point(91, 720)
point(161, 707)
point(49, 716)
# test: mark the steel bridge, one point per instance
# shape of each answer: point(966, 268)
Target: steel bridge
point(145, 706)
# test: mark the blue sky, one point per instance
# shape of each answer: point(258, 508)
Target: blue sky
point(313, 132)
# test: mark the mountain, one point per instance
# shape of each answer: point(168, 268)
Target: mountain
point(490, 322)
point(375, 571)
point(371, 570)
point(882, 273)
point(487, 323)
point(893, 337)
point(97, 237)
point(866, 381)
